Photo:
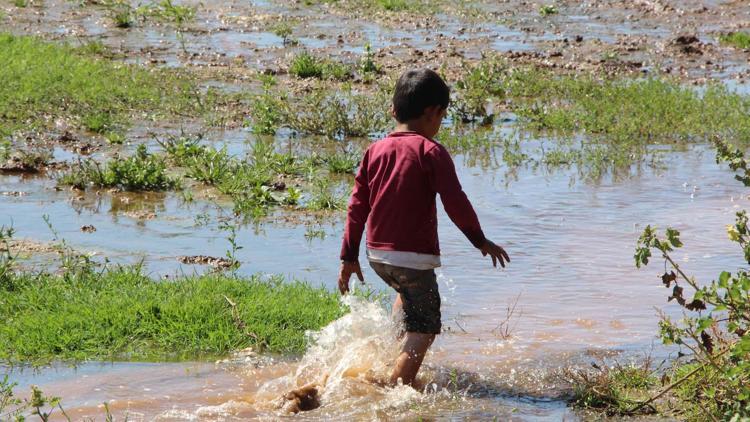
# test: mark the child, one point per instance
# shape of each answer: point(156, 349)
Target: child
point(394, 194)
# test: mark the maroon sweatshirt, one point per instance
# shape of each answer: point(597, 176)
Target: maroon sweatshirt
point(394, 194)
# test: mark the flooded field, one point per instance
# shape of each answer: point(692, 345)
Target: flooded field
point(571, 296)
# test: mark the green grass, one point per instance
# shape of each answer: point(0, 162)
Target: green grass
point(548, 9)
point(306, 65)
point(612, 390)
point(140, 172)
point(330, 111)
point(43, 81)
point(620, 118)
point(736, 39)
point(167, 11)
point(123, 314)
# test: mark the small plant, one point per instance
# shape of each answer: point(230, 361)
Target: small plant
point(314, 233)
point(167, 11)
point(122, 14)
point(305, 65)
point(267, 108)
point(479, 84)
point(231, 229)
point(548, 9)
point(20, 3)
point(367, 64)
point(182, 148)
point(324, 197)
point(736, 39)
point(284, 31)
point(98, 122)
point(210, 165)
point(342, 163)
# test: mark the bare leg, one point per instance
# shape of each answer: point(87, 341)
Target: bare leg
point(397, 314)
point(410, 359)
point(398, 307)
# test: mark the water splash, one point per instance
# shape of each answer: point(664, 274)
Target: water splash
point(344, 358)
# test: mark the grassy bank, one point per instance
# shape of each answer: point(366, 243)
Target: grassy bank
point(44, 81)
point(124, 314)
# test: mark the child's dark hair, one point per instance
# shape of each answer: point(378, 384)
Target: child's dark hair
point(416, 90)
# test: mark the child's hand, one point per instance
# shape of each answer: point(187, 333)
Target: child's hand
point(496, 252)
point(347, 269)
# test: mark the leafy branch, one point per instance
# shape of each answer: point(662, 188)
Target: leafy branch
point(716, 323)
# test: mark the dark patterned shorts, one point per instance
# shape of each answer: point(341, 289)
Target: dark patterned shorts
point(419, 293)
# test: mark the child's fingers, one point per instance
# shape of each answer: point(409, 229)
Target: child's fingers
point(494, 260)
point(505, 254)
point(360, 276)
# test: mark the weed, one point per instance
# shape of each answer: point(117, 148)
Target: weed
point(141, 171)
point(166, 11)
point(284, 31)
point(121, 313)
point(305, 65)
point(613, 390)
point(479, 84)
point(736, 39)
point(20, 3)
point(342, 163)
point(182, 148)
point(98, 122)
point(367, 63)
point(337, 71)
point(547, 10)
point(267, 108)
point(314, 233)
point(122, 14)
point(231, 229)
point(209, 166)
point(325, 198)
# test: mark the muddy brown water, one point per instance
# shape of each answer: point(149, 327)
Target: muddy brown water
point(579, 297)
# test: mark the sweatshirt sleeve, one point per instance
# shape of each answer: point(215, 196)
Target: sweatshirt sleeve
point(444, 180)
point(357, 212)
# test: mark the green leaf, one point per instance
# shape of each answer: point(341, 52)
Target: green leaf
point(723, 278)
point(673, 236)
point(704, 323)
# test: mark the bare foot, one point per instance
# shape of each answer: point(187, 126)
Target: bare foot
point(302, 399)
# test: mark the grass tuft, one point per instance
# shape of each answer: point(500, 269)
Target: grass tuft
point(736, 39)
